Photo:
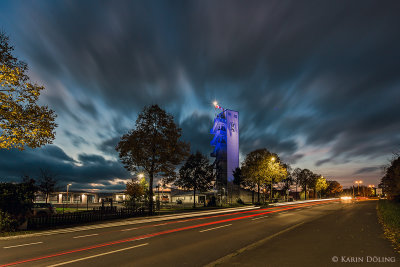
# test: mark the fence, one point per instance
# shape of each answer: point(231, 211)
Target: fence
point(82, 217)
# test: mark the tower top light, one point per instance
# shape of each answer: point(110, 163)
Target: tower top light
point(215, 103)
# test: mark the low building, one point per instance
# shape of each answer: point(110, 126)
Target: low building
point(75, 197)
point(187, 197)
point(162, 194)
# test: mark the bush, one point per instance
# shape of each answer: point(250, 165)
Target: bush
point(7, 223)
point(17, 199)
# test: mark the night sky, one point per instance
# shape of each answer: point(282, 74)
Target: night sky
point(317, 82)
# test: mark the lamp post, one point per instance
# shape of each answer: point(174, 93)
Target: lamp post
point(271, 193)
point(358, 186)
point(68, 185)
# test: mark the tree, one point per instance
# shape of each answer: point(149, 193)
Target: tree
point(296, 176)
point(321, 185)
point(312, 182)
point(262, 167)
point(196, 174)
point(16, 201)
point(252, 169)
point(153, 146)
point(135, 189)
point(47, 183)
point(238, 179)
point(390, 182)
point(22, 121)
point(305, 177)
point(333, 188)
point(276, 172)
point(289, 179)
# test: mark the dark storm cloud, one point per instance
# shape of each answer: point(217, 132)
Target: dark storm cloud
point(196, 130)
point(367, 170)
point(324, 72)
point(89, 107)
point(76, 140)
point(89, 168)
point(292, 159)
point(322, 161)
point(108, 146)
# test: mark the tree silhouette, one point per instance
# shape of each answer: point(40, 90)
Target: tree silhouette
point(196, 174)
point(153, 147)
point(47, 183)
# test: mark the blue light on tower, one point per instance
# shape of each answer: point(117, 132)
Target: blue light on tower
point(226, 144)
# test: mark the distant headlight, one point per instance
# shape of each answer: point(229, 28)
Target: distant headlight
point(345, 198)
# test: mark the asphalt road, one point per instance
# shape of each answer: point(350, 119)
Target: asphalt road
point(308, 234)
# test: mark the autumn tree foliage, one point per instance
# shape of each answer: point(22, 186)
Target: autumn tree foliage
point(153, 146)
point(320, 185)
point(262, 168)
point(334, 188)
point(22, 121)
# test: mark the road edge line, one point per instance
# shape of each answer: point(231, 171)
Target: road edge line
point(251, 246)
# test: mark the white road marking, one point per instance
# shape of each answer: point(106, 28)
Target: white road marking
point(98, 255)
point(215, 228)
point(160, 224)
point(24, 245)
point(84, 236)
point(130, 222)
point(259, 218)
point(129, 229)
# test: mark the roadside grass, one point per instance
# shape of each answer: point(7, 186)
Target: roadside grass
point(6, 234)
point(389, 217)
point(66, 210)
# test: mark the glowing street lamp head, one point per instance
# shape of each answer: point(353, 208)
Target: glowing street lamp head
point(273, 159)
point(215, 103)
point(140, 175)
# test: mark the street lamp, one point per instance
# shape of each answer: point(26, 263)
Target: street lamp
point(68, 185)
point(358, 186)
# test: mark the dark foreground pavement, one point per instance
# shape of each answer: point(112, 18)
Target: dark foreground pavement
point(308, 234)
point(350, 235)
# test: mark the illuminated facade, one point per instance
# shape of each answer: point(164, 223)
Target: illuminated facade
point(226, 145)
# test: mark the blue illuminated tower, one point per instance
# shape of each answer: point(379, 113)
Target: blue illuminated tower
point(226, 144)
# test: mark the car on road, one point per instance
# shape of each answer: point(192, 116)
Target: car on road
point(43, 209)
point(346, 199)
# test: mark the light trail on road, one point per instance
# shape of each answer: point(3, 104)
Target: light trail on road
point(145, 236)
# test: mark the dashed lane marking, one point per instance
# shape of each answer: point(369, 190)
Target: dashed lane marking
point(84, 236)
point(97, 255)
point(24, 245)
point(215, 228)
